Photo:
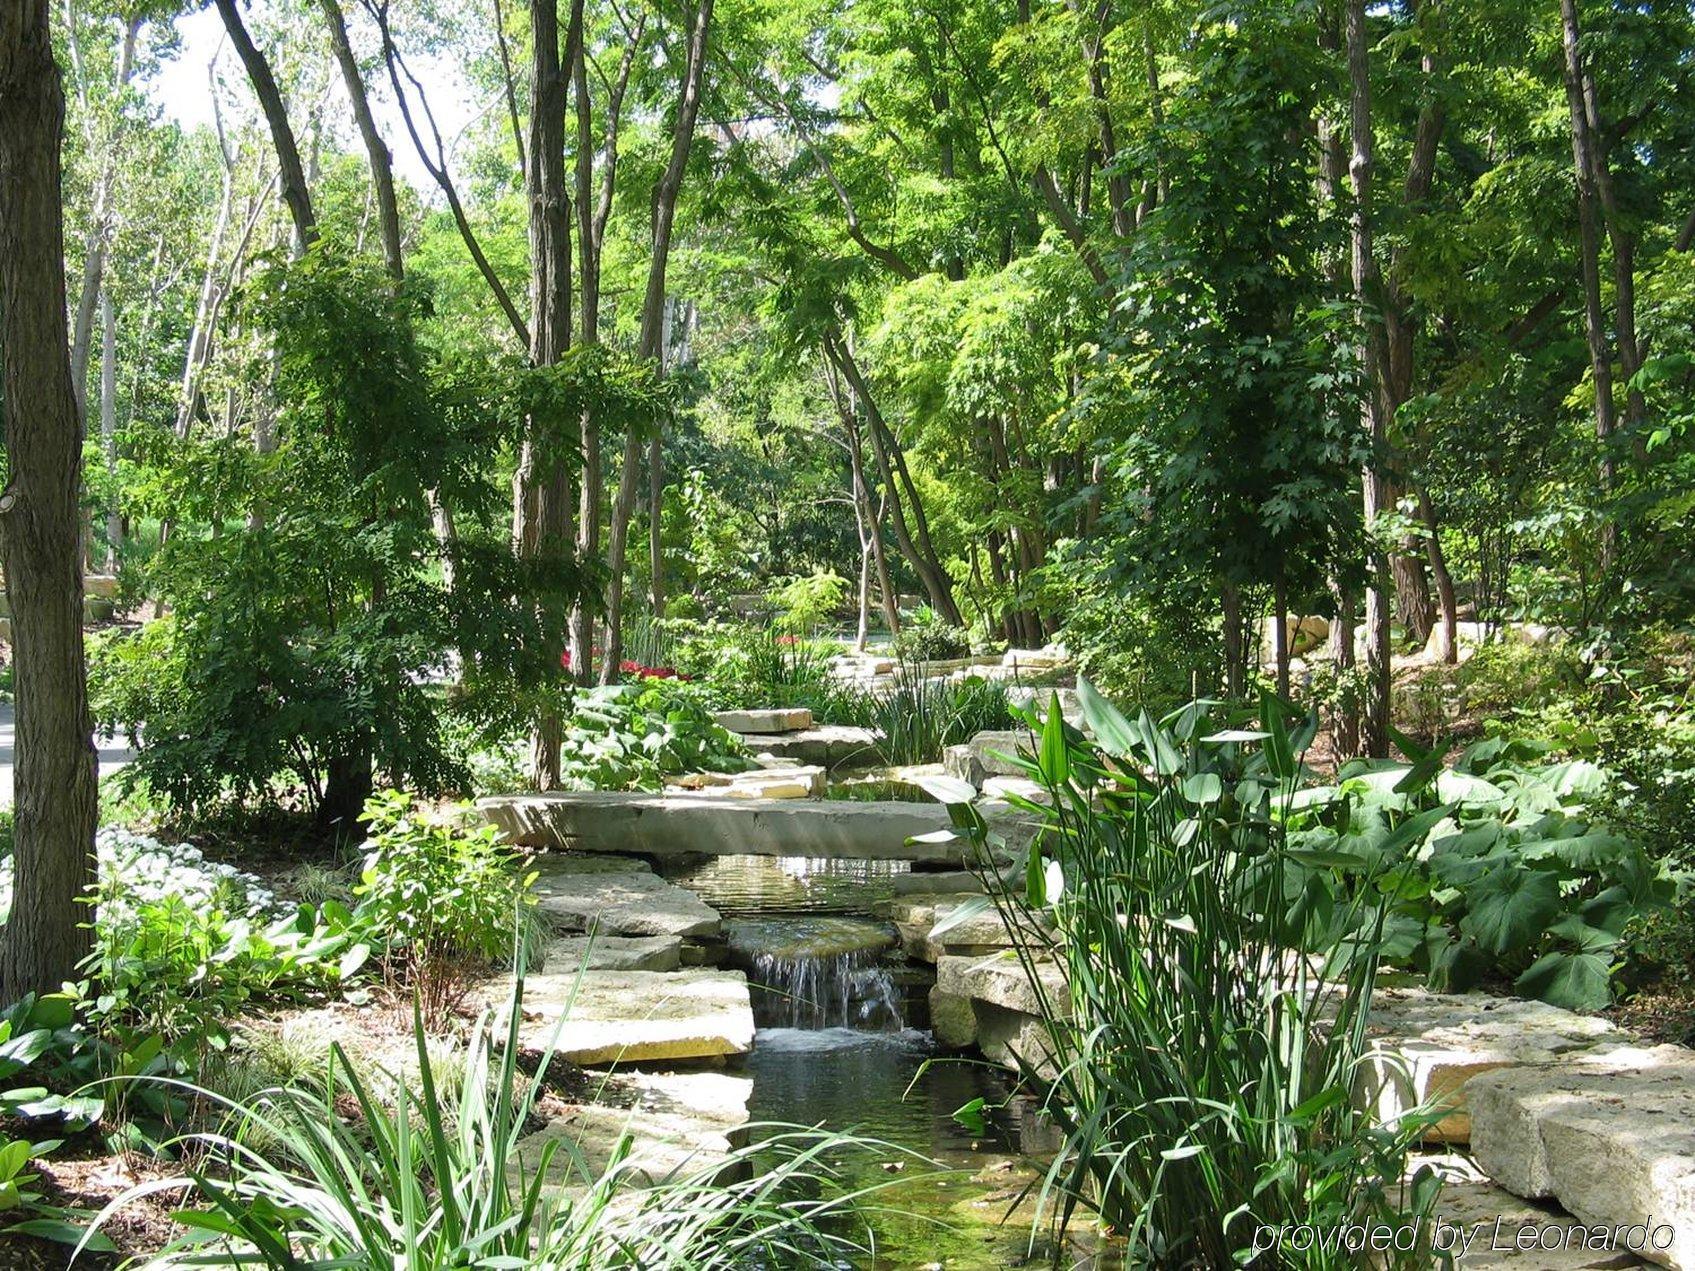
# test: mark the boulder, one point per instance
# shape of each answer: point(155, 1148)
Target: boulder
point(1612, 1139)
point(787, 720)
point(1429, 1045)
point(1022, 787)
point(618, 898)
point(1049, 657)
point(999, 980)
point(628, 1016)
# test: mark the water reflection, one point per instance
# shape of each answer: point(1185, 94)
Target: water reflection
point(736, 885)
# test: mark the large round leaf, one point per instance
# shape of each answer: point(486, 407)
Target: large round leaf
point(1510, 906)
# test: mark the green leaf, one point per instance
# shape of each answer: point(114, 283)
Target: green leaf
point(1575, 981)
point(1055, 757)
point(1114, 732)
point(1203, 788)
point(1511, 907)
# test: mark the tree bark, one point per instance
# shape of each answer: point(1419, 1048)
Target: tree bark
point(99, 230)
point(382, 170)
point(918, 550)
point(294, 190)
point(1589, 251)
point(542, 515)
point(109, 425)
point(665, 192)
point(1375, 720)
point(54, 803)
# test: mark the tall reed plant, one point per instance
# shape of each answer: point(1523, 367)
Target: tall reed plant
point(443, 1173)
point(1203, 1057)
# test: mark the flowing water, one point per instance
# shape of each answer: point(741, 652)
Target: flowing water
point(842, 1041)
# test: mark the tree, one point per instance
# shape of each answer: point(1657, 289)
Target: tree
point(53, 857)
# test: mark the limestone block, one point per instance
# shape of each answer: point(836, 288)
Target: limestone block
point(1611, 1139)
point(627, 1016)
point(613, 953)
point(633, 901)
point(953, 1020)
point(1429, 1045)
point(787, 720)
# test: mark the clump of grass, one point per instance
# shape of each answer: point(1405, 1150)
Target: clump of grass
point(442, 1173)
point(1202, 1058)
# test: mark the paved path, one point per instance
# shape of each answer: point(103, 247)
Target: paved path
point(114, 753)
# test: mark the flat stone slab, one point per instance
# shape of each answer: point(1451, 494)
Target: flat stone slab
point(618, 898)
point(679, 1124)
point(664, 825)
point(616, 1017)
point(789, 720)
point(613, 953)
point(805, 781)
point(1611, 1139)
point(1000, 981)
point(1429, 1045)
point(830, 745)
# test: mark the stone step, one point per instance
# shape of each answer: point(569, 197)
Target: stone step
point(668, 825)
point(1612, 1139)
point(805, 781)
point(678, 1123)
point(620, 1017)
point(613, 953)
point(618, 897)
point(787, 720)
point(833, 746)
point(1429, 1045)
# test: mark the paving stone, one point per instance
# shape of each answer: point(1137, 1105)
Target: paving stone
point(631, 901)
point(788, 720)
point(613, 953)
point(631, 1016)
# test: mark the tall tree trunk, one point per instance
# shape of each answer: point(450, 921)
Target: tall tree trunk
point(917, 548)
point(542, 526)
point(109, 425)
point(294, 190)
point(665, 192)
point(99, 230)
point(1345, 720)
point(1375, 722)
point(382, 170)
point(1589, 250)
point(54, 793)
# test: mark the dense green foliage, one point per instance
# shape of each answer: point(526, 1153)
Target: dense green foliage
point(1202, 1069)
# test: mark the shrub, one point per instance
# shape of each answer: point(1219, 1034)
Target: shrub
point(926, 638)
point(441, 897)
point(804, 603)
point(1202, 1058)
point(1494, 866)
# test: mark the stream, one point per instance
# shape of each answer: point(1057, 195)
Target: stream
point(843, 1041)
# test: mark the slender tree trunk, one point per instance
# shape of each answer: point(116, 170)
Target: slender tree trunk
point(917, 548)
point(109, 425)
point(294, 189)
point(542, 515)
point(54, 793)
point(1589, 251)
point(382, 170)
point(1375, 724)
point(1448, 646)
point(1345, 720)
point(1235, 656)
point(665, 192)
point(99, 230)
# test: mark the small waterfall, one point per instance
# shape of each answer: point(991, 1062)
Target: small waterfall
point(817, 973)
